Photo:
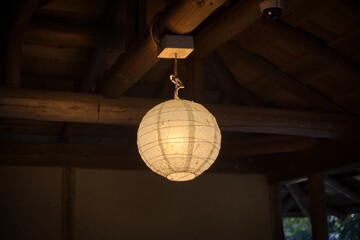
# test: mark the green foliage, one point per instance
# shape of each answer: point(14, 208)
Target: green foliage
point(300, 228)
point(297, 228)
point(349, 229)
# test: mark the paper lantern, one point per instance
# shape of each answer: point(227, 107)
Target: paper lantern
point(179, 139)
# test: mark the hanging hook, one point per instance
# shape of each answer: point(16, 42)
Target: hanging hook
point(178, 85)
point(176, 80)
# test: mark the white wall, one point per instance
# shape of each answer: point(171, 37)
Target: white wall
point(112, 204)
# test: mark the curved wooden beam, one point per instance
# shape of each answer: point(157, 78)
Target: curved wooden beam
point(92, 108)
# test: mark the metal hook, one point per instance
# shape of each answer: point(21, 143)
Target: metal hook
point(178, 85)
point(176, 80)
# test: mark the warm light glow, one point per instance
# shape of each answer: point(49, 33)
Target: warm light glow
point(179, 139)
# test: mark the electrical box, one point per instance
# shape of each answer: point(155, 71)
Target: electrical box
point(179, 44)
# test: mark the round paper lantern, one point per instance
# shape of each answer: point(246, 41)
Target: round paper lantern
point(179, 139)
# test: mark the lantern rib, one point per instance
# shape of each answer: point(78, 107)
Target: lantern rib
point(200, 141)
point(158, 121)
point(212, 149)
point(202, 125)
point(175, 110)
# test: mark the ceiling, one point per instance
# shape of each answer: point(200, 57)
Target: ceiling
point(286, 93)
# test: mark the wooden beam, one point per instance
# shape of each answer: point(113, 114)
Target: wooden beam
point(116, 11)
point(100, 157)
point(251, 119)
point(276, 214)
point(343, 189)
point(92, 108)
point(262, 145)
point(298, 195)
point(73, 36)
point(12, 62)
point(245, 147)
point(300, 14)
point(13, 41)
point(243, 13)
point(231, 147)
point(323, 157)
point(67, 132)
point(43, 3)
point(308, 45)
point(70, 155)
point(278, 77)
point(302, 200)
point(67, 204)
point(287, 203)
point(89, 81)
point(318, 209)
point(67, 53)
point(183, 18)
point(229, 84)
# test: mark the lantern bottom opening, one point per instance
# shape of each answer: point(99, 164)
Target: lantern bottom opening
point(181, 176)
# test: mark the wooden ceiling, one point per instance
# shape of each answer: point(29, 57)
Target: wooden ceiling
point(77, 77)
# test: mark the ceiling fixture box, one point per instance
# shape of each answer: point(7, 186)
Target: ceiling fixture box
point(171, 44)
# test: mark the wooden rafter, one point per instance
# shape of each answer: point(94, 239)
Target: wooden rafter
point(298, 195)
point(343, 189)
point(304, 11)
point(310, 46)
point(13, 41)
point(323, 157)
point(92, 108)
point(73, 36)
point(302, 201)
point(229, 84)
point(116, 10)
point(244, 13)
point(287, 203)
point(279, 77)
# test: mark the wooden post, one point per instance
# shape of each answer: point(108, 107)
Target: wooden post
point(67, 203)
point(276, 215)
point(318, 211)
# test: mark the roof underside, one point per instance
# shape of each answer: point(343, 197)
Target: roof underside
point(307, 60)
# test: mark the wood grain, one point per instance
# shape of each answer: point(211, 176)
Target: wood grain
point(130, 66)
point(244, 13)
point(318, 210)
point(92, 108)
